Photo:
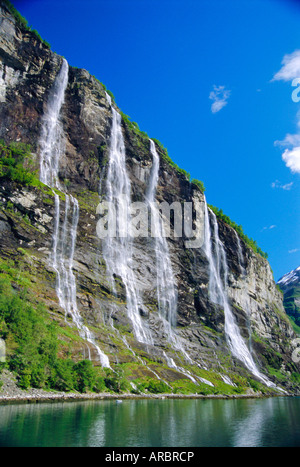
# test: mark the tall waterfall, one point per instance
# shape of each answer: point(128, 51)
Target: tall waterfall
point(52, 147)
point(240, 255)
point(165, 281)
point(218, 279)
point(118, 249)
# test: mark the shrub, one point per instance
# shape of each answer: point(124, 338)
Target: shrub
point(158, 387)
point(153, 386)
point(117, 382)
point(15, 162)
point(199, 184)
point(62, 377)
point(239, 229)
point(85, 375)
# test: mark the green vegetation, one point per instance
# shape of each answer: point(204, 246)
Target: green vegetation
point(23, 22)
point(32, 341)
point(133, 126)
point(199, 184)
point(291, 298)
point(16, 163)
point(105, 88)
point(167, 158)
point(37, 351)
point(294, 325)
point(239, 229)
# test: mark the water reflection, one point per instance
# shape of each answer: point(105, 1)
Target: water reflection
point(154, 423)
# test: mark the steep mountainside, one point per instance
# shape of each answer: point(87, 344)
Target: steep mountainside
point(290, 286)
point(152, 309)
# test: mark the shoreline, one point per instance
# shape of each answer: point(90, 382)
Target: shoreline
point(10, 393)
point(78, 397)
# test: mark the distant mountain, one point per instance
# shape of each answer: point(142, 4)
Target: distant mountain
point(290, 286)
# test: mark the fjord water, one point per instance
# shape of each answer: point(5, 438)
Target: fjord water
point(271, 422)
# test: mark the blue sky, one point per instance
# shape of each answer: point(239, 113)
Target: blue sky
point(212, 80)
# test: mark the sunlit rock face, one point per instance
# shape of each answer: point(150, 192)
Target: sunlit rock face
point(178, 327)
point(290, 286)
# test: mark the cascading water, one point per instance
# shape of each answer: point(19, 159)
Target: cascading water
point(240, 255)
point(165, 281)
point(52, 147)
point(52, 140)
point(118, 249)
point(244, 295)
point(218, 276)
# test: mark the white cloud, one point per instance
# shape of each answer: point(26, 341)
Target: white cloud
point(291, 157)
point(289, 71)
point(286, 186)
point(290, 67)
point(295, 250)
point(219, 96)
point(289, 140)
point(269, 228)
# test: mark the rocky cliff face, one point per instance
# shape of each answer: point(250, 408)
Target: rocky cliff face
point(198, 348)
point(290, 286)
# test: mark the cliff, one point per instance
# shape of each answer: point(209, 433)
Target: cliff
point(208, 319)
point(290, 286)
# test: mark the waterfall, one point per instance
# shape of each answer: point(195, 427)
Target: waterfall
point(118, 249)
point(52, 147)
point(52, 140)
point(165, 281)
point(240, 255)
point(218, 278)
point(244, 295)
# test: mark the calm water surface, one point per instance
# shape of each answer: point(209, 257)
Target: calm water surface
point(153, 423)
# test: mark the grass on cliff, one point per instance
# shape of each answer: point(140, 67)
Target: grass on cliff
point(33, 341)
point(16, 163)
point(23, 22)
point(239, 229)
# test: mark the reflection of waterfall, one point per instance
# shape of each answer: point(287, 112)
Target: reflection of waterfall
point(118, 249)
point(52, 147)
point(218, 279)
point(250, 428)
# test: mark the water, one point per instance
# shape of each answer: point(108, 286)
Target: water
point(52, 148)
point(52, 145)
point(244, 291)
point(118, 249)
point(273, 422)
point(218, 279)
point(240, 255)
point(165, 281)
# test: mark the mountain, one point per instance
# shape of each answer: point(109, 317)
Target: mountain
point(290, 286)
point(87, 304)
